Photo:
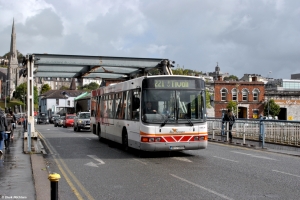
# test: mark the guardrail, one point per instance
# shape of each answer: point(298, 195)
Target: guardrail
point(272, 131)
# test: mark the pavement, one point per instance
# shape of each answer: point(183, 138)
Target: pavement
point(24, 175)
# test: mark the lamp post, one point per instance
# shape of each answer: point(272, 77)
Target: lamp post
point(268, 98)
point(237, 100)
point(67, 96)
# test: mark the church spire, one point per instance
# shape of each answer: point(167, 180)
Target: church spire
point(13, 63)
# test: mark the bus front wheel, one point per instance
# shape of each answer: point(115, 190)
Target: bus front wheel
point(99, 133)
point(125, 140)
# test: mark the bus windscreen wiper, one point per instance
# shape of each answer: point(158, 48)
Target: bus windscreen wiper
point(189, 120)
point(164, 123)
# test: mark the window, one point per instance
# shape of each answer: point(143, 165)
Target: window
point(223, 95)
point(57, 102)
point(234, 95)
point(255, 95)
point(69, 102)
point(245, 95)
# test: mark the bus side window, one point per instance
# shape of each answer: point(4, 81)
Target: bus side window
point(135, 109)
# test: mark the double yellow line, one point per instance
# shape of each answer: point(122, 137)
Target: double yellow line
point(66, 173)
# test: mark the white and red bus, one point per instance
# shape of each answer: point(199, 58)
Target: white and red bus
point(176, 121)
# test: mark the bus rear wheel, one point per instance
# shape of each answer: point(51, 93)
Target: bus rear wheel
point(125, 140)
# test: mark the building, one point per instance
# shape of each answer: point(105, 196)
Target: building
point(285, 93)
point(10, 77)
point(58, 101)
point(249, 96)
point(217, 74)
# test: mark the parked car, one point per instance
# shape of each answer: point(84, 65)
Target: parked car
point(42, 118)
point(69, 120)
point(53, 118)
point(59, 121)
point(82, 121)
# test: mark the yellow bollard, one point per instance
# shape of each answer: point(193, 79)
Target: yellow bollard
point(54, 178)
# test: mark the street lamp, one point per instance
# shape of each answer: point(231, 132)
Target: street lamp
point(237, 100)
point(67, 96)
point(268, 98)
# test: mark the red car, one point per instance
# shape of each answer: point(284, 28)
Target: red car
point(69, 120)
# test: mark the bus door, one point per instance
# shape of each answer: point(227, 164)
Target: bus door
point(109, 119)
point(132, 113)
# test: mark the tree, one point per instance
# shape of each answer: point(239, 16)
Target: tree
point(232, 105)
point(231, 78)
point(35, 95)
point(63, 87)
point(89, 87)
point(207, 99)
point(19, 56)
point(21, 93)
point(271, 108)
point(45, 88)
point(93, 86)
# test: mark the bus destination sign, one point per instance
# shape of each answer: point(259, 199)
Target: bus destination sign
point(174, 83)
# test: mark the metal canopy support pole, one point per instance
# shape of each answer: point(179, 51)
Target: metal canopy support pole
point(30, 95)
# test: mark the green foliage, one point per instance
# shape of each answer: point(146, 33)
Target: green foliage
point(272, 108)
point(35, 95)
point(207, 99)
point(89, 87)
point(19, 56)
point(231, 78)
point(63, 87)
point(45, 88)
point(21, 93)
point(232, 105)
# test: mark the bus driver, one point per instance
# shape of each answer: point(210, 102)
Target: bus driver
point(149, 109)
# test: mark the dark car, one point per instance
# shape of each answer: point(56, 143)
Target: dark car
point(42, 118)
point(53, 118)
point(59, 122)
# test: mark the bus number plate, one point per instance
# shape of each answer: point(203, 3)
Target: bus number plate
point(177, 147)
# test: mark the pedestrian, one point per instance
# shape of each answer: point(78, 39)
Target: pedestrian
point(3, 128)
point(230, 119)
point(13, 123)
point(9, 131)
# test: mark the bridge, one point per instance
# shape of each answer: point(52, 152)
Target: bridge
point(79, 66)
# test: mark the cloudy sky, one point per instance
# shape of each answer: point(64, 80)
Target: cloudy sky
point(243, 36)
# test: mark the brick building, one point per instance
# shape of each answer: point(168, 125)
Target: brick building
point(250, 97)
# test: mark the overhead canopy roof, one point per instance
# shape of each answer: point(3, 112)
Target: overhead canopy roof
point(76, 66)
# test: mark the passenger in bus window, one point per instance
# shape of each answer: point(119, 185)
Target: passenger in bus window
point(149, 109)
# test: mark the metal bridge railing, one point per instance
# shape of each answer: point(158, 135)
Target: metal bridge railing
point(272, 131)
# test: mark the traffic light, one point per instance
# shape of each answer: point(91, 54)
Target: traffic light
point(25, 72)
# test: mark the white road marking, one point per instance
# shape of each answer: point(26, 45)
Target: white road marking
point(286, 173)
point(91, 164)
point(182, 159)
point(204, 188)
point(226, 159)
point(88, 138)
point(263, 157)
point(140, 161)
point(97, 159)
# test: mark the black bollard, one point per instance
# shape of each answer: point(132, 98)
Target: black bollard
point(54, 178)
